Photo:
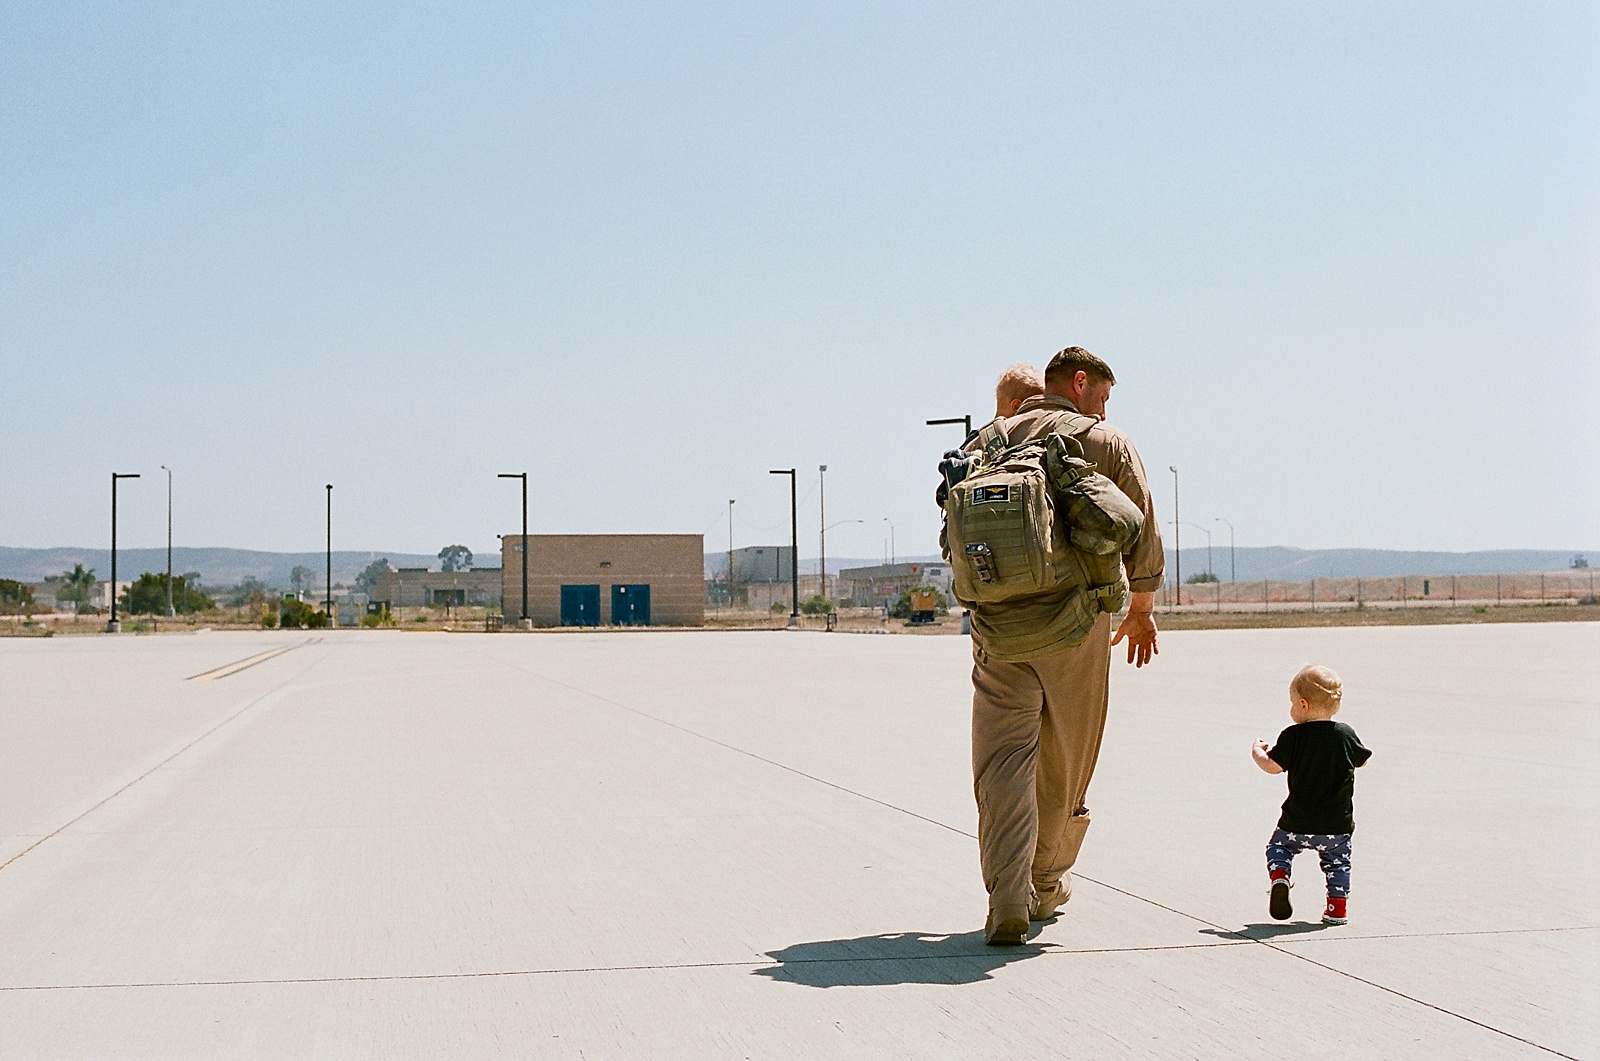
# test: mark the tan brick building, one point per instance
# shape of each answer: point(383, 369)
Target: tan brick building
point(606, 579)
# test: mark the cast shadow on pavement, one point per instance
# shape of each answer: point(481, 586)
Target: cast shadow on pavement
point(1269, 930)
point(895, 958)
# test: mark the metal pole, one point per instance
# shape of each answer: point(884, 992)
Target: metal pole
point(964, 421)
point(1233, 572)
point(822, 521)
point(170, 612)
point(730, 551)
point(327, 592)
point(794, 543)
point(890, 522)
point(112, 626)
point(1177, 537)
point(524, 546)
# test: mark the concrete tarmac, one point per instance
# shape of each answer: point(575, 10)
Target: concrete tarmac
point(727, 845)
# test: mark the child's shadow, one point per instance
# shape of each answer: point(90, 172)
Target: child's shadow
point(894, 958)
point(1269, 930)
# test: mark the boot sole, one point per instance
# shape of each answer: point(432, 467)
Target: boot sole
point(1280, 907)
point(1008, 931)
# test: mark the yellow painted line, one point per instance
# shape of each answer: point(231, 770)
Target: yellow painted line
point(239, 665)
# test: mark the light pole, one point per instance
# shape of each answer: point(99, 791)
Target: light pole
point(170, 612)
point(730, 551)
point(112, 626)
point(822, 519)
point(523, 620)
point(964, 421)
point(1177, 540)
point(794, 545)
point(1233, 572)
point(825, 531)
point(1207, 532)
point(890, 522)
point(327, 579)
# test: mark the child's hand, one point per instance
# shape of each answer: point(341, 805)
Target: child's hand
point(1258, 752)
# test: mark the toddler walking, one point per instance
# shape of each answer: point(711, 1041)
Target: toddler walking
point(1320, 756)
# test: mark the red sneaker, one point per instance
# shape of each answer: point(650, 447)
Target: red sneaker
point(1335, 913)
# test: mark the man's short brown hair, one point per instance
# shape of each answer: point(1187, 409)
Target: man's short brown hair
point(1073, 360)
point(1020, 380)
point(1319, 685)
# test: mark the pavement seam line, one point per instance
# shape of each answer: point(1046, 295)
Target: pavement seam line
point(962, 832)
point(250, 661)
point(1039, 949)
point(746, 752)
point(78, 818)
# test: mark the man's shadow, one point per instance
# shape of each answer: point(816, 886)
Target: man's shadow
point(1264, 931)
point(895, 958)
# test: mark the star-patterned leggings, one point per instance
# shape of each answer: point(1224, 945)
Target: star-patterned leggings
point(1333, 849)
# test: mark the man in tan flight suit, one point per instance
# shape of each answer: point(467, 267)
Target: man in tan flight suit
point(1036, 725)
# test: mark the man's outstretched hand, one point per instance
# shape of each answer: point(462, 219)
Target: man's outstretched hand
point(1139, 627)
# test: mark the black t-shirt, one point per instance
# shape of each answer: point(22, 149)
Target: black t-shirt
point(1321, 759)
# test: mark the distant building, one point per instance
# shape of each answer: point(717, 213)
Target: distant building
point(863, 586)
point(606, 579)
point(417, 587)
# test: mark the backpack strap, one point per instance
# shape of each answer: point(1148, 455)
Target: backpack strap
point(992, 438)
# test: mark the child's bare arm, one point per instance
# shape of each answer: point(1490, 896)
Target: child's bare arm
point(1258, 752)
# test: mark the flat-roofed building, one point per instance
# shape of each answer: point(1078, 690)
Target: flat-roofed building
point(606, 579)
point(417, 587)
point(885, 582)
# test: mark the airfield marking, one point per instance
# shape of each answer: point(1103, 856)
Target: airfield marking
point(239, 665)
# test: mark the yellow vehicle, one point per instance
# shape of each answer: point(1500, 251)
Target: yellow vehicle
point(924, 605)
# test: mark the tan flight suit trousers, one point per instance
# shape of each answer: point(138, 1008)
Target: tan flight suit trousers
point(1036, 731)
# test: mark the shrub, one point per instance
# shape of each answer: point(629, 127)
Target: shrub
point(269, 617)
point(377, 620)
point(778, 607)
point(1204, 576)
point(297, 614)
point(816, 604)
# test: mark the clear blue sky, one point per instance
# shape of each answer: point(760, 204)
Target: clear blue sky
point(1345, 260)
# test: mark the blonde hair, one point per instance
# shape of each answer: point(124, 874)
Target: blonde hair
point(1020, 380)
point(1318, 685)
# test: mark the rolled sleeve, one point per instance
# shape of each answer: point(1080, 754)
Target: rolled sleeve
point(1146, 562)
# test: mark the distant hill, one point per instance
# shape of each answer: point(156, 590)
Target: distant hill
point(1283, 563)
point(217, 567)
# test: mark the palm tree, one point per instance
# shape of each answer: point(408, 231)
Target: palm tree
point(80, 581)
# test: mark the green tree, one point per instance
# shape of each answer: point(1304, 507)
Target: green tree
point(14, 595)
point(79, 583)
point(301, 578)
point(251, 592)
point(1204, 576)
point(147, 595)
point(455, 558)
point(367, 581)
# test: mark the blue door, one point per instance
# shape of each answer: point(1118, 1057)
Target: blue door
point(630, 605)
point(580, 605)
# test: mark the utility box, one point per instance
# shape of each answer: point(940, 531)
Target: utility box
point(924, 606)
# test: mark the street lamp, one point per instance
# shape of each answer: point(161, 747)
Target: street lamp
point(1233, 572)
point(822, 518)
point(327, 580)
point(1177, 542)
point(1207, 532)
point(964, 421)
point(825, 531)
point(730, 551)
point(890, 522)
point(170, 612)
point(523, 621)
point(794, 545)
point(112, 626)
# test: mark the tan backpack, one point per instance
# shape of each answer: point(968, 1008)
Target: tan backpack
point(1037, 519)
